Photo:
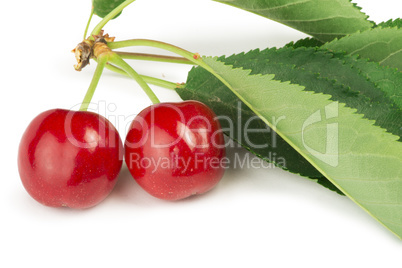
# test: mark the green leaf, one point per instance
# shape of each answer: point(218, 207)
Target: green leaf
point(307, 42)
point(359, 158)
point(300, 66)
point(323, 19)
point(359, 84)
point(382, 45)
point(388, 80)
point(391, 23)
point(104, 7)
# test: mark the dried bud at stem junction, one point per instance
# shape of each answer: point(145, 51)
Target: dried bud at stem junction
point(83, 53)
point(88, 49)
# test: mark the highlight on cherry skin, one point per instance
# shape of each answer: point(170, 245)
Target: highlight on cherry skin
point(175, 150)
point(70, 158)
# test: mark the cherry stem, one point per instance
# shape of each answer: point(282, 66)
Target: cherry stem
point(192, 57)
point(159, 82)
point(110, 16)
point(94, 83)
point(89, 22)
point(195, 58)
point(153, 57)
point(148, 79)
point(119, 62)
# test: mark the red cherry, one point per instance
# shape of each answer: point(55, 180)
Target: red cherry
point(175, 150)
point(69, 158)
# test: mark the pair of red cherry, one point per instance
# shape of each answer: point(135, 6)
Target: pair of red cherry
point(173, 150)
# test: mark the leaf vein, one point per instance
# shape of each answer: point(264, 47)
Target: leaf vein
point(390, 55)
point(321, 19)
point(278, 7)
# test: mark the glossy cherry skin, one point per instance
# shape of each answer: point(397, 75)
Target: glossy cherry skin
point(175, 150)
point(69, 158)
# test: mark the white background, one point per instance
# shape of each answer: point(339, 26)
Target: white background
point(255, 217)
